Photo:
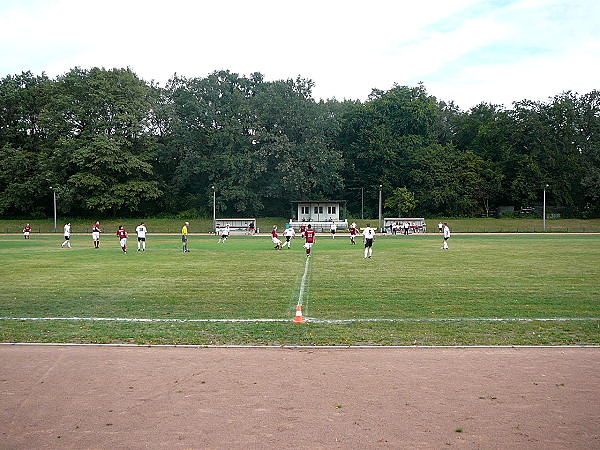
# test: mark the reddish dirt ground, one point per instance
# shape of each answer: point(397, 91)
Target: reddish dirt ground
point(176, 397)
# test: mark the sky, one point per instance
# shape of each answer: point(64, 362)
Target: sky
point(465, 51)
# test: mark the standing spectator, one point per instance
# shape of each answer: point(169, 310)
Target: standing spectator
point(141, 235)
point(67, 235)
point(310, 236)
point(27, 231)
point(446, 236)
point(333, 229)
point(289, 233)
point(353, 230)
point(122, 234)
point(184, 237)
point(406, 228)
point(275, 238)
point(368, 239)
point(96, 234)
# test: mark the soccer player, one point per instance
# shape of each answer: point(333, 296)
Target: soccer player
point(353, 230)
point(27, 231)
point(224, 234)
point(333, 229)
point(96, 234)
point(368, 239)
point(122, 234)
point(141, 235)
point(275, 238)
point(302, 230)
point(289, 233)
point(67, 235)
point(446, 236)
point(310, 237)
point(184, 237)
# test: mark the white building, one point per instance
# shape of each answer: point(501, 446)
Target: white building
point(319, 213)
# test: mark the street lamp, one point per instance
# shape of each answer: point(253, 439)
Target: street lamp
point(54, 195)
point(544, 212)
point(379, 222)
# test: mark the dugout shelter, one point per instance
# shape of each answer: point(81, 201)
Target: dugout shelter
point(415, 224)
point(237, 226)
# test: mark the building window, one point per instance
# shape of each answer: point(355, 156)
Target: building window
point(318, 210)
point(331, 209)
point(305, 210)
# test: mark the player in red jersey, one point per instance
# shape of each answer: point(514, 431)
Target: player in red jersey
point(122, 234)
point(310, 237)
point(353, 231)
point(302, 230)
point(27, 231)
point(275, 238)
point(96, 234)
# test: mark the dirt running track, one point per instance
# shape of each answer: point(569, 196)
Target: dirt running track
point(174, 397)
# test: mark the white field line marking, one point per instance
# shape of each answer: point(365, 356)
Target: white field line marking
point(313, 320)
point(303, 283)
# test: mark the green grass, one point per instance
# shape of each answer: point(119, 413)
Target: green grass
point(427, 296)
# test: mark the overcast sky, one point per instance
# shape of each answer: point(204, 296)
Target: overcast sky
point(468, 51)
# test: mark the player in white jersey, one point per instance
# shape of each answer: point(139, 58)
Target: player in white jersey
point(446, 236)
point(368, 239)
point(141, 235)
point(289, 233)
point(224, 233)
point(67, 235)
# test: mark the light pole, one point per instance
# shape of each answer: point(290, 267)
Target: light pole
point(214, 210)
point(54, 195)
point(379, 222)
point(362, 202)
point(544, 211)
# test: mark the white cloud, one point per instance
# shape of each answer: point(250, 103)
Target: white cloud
point(463, 50)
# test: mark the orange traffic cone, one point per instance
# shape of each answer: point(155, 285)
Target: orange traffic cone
point(299, 318)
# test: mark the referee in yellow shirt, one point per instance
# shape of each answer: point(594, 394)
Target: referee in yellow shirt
point(184, 237)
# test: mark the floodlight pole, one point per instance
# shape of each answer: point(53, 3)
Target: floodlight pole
point(214, 210)
point(544, 209)
point(379, 222)
point(54, 195)
point(362, 202)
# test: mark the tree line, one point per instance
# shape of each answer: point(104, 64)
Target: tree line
point(109, 143)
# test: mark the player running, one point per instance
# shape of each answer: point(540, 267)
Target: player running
point(224, 234)
point(368, 239)
point(122, 234)
point(310, 237)
point(275, 238)
point(353, 231)
point(67, 235)
point(96, 234)
point(289, 233)
point(141, 235)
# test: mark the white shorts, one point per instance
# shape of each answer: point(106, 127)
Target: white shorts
point(95, 235)
point(25, 233)
point(123, 242)
point(308, 245)
point(276, 240)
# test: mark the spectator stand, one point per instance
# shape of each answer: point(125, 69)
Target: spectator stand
point(415, 225)
point(245, 226)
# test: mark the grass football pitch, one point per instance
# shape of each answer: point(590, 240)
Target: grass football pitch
point(485, 290)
